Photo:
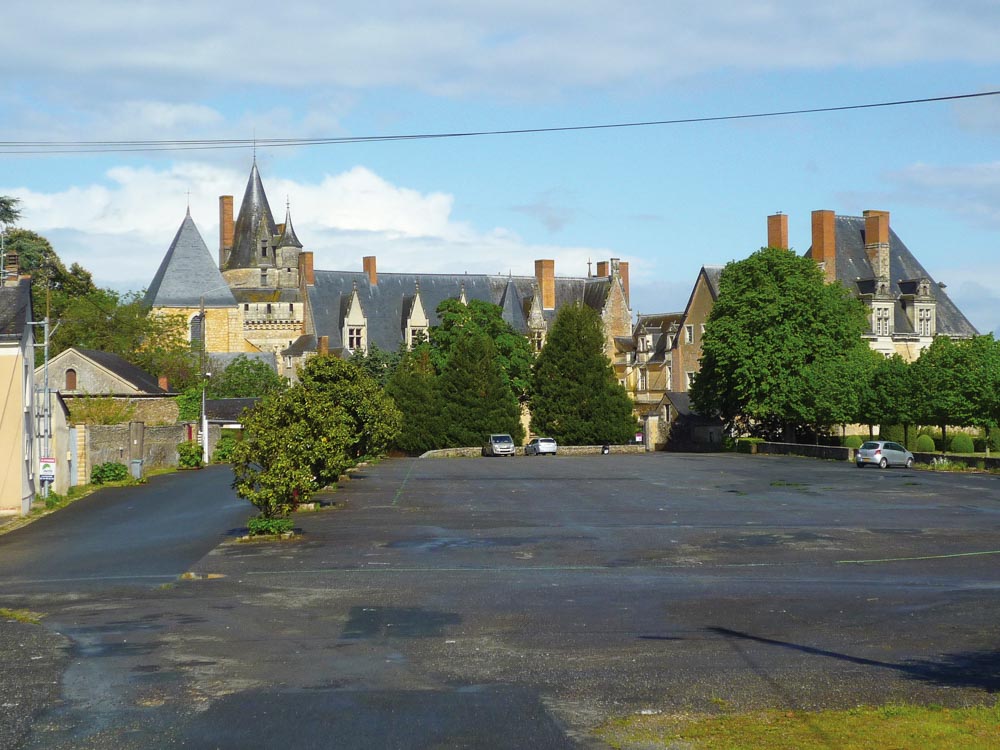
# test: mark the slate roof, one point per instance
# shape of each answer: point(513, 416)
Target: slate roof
point(15, 309)
point(288, 238)
point(227, 409)
point(221, 360)
point(187, 273)
point(383, 303)
point(135, 376)
point(253, 211)
point(658, 326)
point(855, 272)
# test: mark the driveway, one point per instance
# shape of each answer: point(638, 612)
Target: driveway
point(511, 603)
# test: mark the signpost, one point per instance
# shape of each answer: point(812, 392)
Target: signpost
point(47, 470)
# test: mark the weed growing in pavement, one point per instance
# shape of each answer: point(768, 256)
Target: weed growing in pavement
point(261, 526)
point(21, 615)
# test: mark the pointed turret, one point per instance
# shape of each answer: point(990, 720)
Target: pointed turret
point(288, 238)
point(188, 274)
point(254, 225)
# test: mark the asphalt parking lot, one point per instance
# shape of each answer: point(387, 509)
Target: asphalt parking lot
point(518, 602)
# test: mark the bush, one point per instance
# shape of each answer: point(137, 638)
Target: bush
point(223, 453)
point(189, 455)
point(261, 526)
point(853, 441)
point(925, 444)
point(962, 443)
point(111, 471)
point(893, 432)
point(745, 445)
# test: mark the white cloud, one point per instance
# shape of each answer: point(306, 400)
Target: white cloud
point(509, 46)
point(120, 229)
point(969, 190)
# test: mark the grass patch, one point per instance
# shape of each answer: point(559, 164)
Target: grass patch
point(890, 727)
point(21, 615)
point(783, 483)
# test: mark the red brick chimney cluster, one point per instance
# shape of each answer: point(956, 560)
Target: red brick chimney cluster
point(777, 231)
point(307, 275)
point(824, 242)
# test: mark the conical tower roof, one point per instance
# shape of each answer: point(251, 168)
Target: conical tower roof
point(254, 213)
point(188, 274)
point(288, 238)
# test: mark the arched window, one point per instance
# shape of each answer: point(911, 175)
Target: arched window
point(70, 380)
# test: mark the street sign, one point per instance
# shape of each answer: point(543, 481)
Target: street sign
point(47, 469)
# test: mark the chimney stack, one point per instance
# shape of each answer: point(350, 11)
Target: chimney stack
point(323, 345)
point(369, 265)
point(226, 228)
point(306, 274)
point(877, 242)
point(545, 273)
point(9, 275)
point(603, 269)
point(824, 242)
point(623, 272)
point(164, 383)
point(777, 231)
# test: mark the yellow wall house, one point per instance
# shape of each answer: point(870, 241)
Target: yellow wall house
point(17, 457)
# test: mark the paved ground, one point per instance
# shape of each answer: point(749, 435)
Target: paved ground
point(511, 603)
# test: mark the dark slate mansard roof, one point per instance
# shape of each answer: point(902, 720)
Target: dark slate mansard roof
point(188, 273)
point(383, 303)
point(854, 271)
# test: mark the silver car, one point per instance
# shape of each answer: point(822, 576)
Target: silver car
point(883, 453)
point(500, 444)
point(540, 446)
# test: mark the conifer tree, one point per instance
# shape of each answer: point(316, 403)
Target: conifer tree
point(575, 396)
point(413, 387)
point(475, 398)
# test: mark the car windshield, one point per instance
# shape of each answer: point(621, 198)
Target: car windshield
point(869, 446)
point(502, 439)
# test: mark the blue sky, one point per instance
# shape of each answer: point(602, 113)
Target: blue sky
point(667, 198)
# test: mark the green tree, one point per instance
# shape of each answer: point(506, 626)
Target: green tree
point(887, 397)
point(943, 380)
point(513, 351)
point(775, 325)
point(575, 396)
point(982, 358)
point(475, 399)
point(413, 387)
point(298, 440)
point(378, 363)
point(243, 378)
point(374, 418)
point(9, 212)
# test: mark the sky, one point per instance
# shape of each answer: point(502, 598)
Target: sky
point(666, 198)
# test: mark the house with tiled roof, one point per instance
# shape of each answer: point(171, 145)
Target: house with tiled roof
point(907, 308)
point(18, 450)
point(265, 294)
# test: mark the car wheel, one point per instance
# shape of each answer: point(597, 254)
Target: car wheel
point(909, 463)
point(883, 463)
point(859, 465)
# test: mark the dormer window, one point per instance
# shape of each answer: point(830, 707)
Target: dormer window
point(881, 321)
point(925, 321)
point(537, 336)
point(355, 337)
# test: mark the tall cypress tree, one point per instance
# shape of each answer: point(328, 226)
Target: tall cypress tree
point(475, 398)
point(575, 397)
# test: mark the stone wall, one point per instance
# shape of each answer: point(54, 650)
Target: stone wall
point(564, 450)
point(156, 447)
point(830, 452)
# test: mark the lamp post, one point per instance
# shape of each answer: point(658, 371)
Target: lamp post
point(204, 420)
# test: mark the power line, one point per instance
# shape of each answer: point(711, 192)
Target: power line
point(84, 147)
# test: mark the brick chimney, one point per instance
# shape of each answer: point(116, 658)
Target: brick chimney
point(824, 242)
point(777, 231)
point(603, 269)
point(226, 228)
point(323, 345)
point(164, 383)
point(877, 242)
point(306, 274)
point(623, 272)
point(9, 276)
point(545, 273)
point(369, 265)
